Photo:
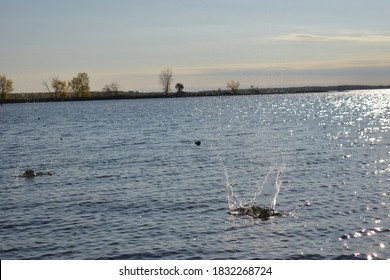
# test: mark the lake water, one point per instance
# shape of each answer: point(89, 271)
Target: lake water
point(130, 183)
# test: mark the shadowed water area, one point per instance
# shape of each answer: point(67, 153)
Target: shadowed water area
point(127, 180)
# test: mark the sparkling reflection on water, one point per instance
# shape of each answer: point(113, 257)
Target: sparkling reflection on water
point(130, 183)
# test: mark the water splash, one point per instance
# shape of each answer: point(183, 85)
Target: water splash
point(278, 184)
point(260, 188)
point(233, 200)
point(235, 203)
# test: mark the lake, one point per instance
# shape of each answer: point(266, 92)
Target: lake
point(129, 182)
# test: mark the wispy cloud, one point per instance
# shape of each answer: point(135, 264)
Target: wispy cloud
point(335, 38)
point(244, 69)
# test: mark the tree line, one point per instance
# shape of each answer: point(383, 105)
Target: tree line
point(58, 89)
point(78, 86)
point(166, 80)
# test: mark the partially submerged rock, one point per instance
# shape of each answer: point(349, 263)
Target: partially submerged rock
point(254, 211)
point(30, 173)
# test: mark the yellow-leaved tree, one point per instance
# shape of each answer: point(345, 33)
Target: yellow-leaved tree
point(80, 85)
point(5, 87)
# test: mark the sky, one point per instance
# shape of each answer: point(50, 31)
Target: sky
point(206, 43)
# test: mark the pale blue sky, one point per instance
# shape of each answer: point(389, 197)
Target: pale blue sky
point(205, 43)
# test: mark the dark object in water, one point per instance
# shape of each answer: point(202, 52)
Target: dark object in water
point(197, 142)
point(29, 173)
point(254, 211)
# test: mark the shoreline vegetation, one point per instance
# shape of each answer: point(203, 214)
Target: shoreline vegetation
point(116, 95)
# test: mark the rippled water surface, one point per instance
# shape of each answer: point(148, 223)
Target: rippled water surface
point(129, 182)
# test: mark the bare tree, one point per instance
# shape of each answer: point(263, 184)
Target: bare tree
point(233, 86)
point(5, 87)
point(165, 79)
point(111, 88)
point(80, 85)
point(46, 85)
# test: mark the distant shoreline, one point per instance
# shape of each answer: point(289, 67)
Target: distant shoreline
point(95, 95)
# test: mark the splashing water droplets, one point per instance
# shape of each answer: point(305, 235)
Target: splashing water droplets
point(278, 184)
point(255, 207)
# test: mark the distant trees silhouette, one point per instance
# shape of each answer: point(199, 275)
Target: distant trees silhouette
point(233, 86)
point(165, 79)
point(60, 88)
point(111, 88)
point(80, 85)
point(179, 87)
point(5, 87)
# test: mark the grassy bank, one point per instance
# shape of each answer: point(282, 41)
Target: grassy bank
point(50, 97)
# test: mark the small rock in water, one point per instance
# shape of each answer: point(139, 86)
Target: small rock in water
point(254, 211)
point(197, 142)
point(29, 173)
